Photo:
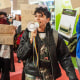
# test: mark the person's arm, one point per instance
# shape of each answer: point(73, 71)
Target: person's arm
point(25, 48)
point(65, 59)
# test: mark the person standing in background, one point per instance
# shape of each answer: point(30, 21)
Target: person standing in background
point(6, 62)
point(18, 33)
point(78, 45)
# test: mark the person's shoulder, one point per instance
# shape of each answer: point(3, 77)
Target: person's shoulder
point(26, 29)
point(25, 32)
point(55, 32)
point(60, 38)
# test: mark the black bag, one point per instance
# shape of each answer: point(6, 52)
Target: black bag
point(72, 45)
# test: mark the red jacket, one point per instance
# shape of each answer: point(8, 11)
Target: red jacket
point(19, 38)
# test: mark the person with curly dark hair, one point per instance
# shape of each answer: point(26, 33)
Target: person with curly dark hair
point(42, 49)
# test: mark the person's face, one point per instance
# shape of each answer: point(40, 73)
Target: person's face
point(3, 16)
point(41, 19)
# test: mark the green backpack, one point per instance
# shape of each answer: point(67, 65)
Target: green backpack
point(72, 45)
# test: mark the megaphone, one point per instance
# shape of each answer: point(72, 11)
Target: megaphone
point(32, 26)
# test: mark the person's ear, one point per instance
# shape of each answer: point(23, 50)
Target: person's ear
point(48, 19)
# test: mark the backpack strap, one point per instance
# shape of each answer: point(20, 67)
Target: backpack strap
point(55, 35)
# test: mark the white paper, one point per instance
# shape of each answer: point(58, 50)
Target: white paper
point(16, 23)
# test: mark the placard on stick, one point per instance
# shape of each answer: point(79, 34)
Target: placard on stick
point(27, 14)
point(6, 34)
point(7, 39)
point(17, 3)
point(6, 29)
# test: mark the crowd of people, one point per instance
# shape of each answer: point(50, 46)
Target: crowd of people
point(41, 50)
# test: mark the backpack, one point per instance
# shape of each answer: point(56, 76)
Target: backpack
point(73, 44)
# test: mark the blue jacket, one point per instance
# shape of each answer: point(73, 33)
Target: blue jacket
point(78, 35)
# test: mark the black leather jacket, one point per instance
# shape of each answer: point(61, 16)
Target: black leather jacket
point(58, 54)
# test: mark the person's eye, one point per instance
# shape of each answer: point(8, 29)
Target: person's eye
point(35, 16)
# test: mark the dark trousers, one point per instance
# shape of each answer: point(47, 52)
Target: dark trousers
point(4, 68)
point(23, 75)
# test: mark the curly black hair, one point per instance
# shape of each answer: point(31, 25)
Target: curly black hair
point(43, 10)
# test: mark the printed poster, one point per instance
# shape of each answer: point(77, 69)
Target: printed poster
point(67, 23)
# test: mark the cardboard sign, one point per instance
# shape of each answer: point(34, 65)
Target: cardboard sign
point(7, 10)
point(6, 34)
point(16, 4)
point(16, 23)
point(75, 3)
point(7, 39)
point(5, 4)
point(27, 12)
point(6, 29)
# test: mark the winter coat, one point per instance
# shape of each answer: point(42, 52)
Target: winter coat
point(58, 54)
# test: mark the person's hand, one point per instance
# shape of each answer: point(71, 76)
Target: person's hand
point(33, 35)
